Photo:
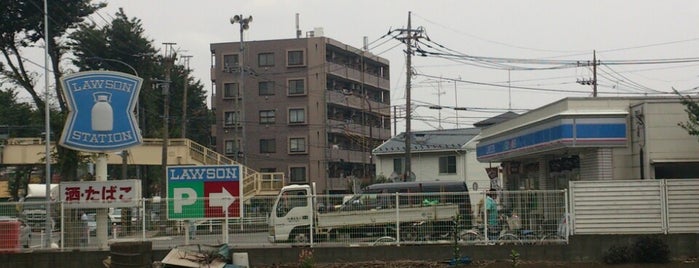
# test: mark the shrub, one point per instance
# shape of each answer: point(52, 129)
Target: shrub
point(617, 255)
point(514, 258)
point(306, 259)
point(651, 249)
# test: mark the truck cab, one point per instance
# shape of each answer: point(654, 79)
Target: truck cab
point(32, 207)
point(291, 214)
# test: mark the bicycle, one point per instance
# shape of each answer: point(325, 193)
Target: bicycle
point(505, 236)
point(475, 236)
point(545, 233)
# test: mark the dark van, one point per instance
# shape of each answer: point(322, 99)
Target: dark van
point(381, 195)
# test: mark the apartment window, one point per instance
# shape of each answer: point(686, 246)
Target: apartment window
point(268, 146)
point(297, 116)
point(230, 62)
point(295, 58)
point(297, 145)
point(265, 59)
point(230, 147)
point(398, 165)
point(230, 118)
point(268, 170)
point(267, 117)
point(447, 165)
point(297, 87)
point(266, 88)
point(297, 174)
point(230, 90)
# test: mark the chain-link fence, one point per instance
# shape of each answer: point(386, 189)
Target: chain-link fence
point(323, 220)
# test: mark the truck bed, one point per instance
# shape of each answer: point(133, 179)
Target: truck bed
point(388, 215)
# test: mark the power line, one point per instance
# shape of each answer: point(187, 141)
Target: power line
point(491, 41)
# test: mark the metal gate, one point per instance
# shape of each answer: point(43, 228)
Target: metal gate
point(682, 205)
point(634, 206)
point(617, 207)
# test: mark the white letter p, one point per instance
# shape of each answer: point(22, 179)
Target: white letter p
point(181, 200)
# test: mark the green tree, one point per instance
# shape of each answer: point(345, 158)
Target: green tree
point(120, 46)
point(19, 119)
point(22, 27)
point(198, 118)
point(692, 109)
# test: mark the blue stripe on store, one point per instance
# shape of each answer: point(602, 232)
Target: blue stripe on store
point(552, 134)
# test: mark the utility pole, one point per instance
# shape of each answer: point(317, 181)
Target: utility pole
point(365, 143)
point(124, 164)
point(395, 120)
point(439, 102)
point(244, 25)
point(47, 129)
point(592, 81)
point(456, 103)
point(594, 73)
point(169, 59)
point(184, 96)
point(410, 34)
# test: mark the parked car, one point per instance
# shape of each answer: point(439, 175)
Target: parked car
point(115, 215)
point(92, 224)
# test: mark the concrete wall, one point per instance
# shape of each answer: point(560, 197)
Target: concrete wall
point(580, 249)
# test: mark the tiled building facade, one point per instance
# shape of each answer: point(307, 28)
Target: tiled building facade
point(312, 108)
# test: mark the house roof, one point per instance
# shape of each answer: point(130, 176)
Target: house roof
point(429, 141)
point(496, 119)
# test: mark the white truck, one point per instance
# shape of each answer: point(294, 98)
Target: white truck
point(33, 206)
point(295, 215)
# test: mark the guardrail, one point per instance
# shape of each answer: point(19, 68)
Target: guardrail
point(526, 223)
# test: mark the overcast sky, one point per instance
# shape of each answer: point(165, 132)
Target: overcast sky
point(531, 30)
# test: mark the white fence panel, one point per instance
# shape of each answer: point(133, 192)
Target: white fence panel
point(617, 207)
point(682, 205)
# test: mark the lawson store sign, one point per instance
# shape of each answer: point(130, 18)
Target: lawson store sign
point(101, 111)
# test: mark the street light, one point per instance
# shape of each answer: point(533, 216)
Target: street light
point(244, 25)
point(117, 61)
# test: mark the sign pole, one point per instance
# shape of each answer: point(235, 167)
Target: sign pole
point(225, 228)
point(101, 175)
point(143, 219)
point(187, 225)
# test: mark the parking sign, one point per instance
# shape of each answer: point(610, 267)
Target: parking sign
point(196, 192)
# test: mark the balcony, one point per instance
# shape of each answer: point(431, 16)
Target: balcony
point(356, 75)
point(349, 156)
point(358, 103)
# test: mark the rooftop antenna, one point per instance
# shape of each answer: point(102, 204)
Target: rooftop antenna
point(298, 30)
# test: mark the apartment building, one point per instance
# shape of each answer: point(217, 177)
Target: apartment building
point(312, 107)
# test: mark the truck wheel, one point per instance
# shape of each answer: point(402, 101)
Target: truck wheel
point(410, 234)
point(301, 238)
